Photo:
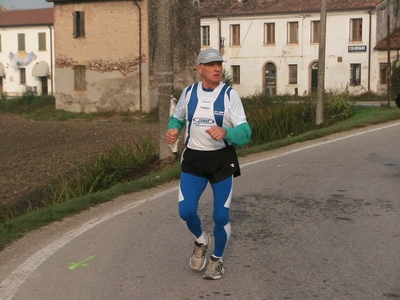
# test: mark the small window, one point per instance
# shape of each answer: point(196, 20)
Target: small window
point(22, 76)
point(315, 31)
point(80, 78)
point(269, 33)
point(235, 35)
point(383, 69)
point(236, 74)
point(205, 35)
point(292, 74)
point(293, 32)
point(79, 24)
point(42, 41)
point(356, 30)
point(21, 41)
point(355, 74)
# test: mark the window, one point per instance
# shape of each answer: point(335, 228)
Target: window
point(236, 74)
point(356, 30)
point(21, 41)
point(235, 35)
point(292, 74)
point(0, 44)
point(42, 41)
point(355, 74)
point(293, 32)
point(79, 24)
point(205, 35)
point(80, 78)
point(383, 69)
point(269, 33)
point(22, 76)
point(315, 31)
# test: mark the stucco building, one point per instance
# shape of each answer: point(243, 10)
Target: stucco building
point(106, 53)
point(26, 51)
point(272, 46)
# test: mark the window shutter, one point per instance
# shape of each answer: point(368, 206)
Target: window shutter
point(74, 20)
point(82, 23)
point(21, 42)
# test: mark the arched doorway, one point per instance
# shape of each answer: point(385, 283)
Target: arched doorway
point(270, 79)
point(314, 77)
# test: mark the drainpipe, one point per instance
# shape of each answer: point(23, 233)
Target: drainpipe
point(219, 35)
point(140, 55)
point(51, 60)
point(369, 51)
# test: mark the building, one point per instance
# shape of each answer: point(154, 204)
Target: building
point(26, 51)
point(106, 53)
point(272, 46)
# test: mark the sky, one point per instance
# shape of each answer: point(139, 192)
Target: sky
point(25, 4)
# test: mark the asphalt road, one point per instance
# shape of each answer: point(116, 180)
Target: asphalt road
point(318, 220)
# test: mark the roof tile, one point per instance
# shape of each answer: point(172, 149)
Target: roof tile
point(43, 16)
point(244, 7)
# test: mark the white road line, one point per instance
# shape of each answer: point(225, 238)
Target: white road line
point(11, 284)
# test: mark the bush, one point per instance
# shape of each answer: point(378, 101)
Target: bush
point(275, 118)
point(27, 103)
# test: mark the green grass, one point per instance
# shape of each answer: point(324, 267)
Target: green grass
point(15, 228)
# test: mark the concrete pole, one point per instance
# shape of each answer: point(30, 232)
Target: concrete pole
point(321, 66)
point(389, 65)
point(165, 71)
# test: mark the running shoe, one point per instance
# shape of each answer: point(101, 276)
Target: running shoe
point(215, 269)
point(198, 259)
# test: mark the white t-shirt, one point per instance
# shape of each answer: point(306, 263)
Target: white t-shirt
point(203, 115)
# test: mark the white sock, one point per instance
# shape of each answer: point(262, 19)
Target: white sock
point(202, 239)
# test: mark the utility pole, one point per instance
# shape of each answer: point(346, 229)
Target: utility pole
point(389, 65)
point(165, 72)
point(321, 66)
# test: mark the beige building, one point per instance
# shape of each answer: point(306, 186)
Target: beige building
point(272, 46)
point(106, 55)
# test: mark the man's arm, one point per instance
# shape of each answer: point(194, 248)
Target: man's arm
point(240, 135)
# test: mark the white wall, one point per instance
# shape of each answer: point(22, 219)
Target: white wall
point(252, 54)
point(10, 57)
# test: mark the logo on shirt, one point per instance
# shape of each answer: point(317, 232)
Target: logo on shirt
point(203, 121)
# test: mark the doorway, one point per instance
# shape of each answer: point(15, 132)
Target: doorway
point(314, 77)
point(270, 79)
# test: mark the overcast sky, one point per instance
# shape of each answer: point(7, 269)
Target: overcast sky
point(25, 4)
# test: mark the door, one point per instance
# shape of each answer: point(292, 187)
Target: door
point(270, 79)
point(314, 77)
point(44, 82)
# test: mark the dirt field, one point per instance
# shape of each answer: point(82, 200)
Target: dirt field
point(34, 153)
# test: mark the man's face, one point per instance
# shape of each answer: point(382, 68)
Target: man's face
point(211, 74)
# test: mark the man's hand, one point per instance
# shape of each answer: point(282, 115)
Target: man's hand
point(217, 133)
point(172, 135)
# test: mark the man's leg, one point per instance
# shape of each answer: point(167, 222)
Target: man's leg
point(190, 189)
point(222, 200)
point(222, 229)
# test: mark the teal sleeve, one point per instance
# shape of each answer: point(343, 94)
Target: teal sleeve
point(240, 135)
point(176, 123)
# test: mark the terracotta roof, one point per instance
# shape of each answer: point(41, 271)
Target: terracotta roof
point(394, 41)
point(43, 16)
point(211, 8)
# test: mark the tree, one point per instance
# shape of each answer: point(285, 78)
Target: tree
point(2, 8)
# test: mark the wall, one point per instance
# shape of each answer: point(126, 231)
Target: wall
point(110, 52)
